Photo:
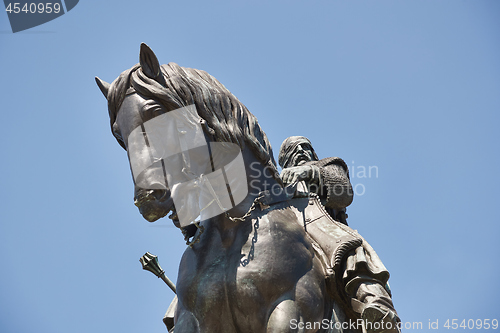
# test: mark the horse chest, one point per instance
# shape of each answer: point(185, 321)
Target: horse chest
point(260, 266)
point(275, 256)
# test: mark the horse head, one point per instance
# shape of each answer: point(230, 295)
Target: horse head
point(148, 104)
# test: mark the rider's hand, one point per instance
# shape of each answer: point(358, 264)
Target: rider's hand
point(295, 174)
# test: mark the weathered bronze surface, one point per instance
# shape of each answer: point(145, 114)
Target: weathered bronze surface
point(329, 177)
point(277, 261)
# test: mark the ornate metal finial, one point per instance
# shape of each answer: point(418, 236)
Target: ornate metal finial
point(150, 263)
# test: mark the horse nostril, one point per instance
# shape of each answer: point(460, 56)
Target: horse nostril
point(143, 196)
point(163, 195)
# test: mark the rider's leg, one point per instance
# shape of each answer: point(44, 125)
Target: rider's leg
point(372, 301)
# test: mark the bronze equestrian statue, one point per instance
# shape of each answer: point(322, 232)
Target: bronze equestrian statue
point(274, 262)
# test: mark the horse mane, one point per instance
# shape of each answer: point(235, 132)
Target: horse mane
point(227, 119)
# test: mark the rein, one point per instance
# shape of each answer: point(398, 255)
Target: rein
point(265, 199)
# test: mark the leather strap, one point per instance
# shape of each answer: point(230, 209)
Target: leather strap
point(269, 197)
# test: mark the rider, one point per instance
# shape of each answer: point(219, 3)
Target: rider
point(363, 274)
point(329, 177)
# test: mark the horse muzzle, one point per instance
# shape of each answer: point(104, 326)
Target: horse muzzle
point(153, 204)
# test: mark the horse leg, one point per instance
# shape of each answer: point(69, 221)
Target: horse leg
point(186, 323)
point(285, 318)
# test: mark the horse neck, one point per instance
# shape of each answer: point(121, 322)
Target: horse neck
point(259, 178)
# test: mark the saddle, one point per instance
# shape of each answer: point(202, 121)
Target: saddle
point(330, 238)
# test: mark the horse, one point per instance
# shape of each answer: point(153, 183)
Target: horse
point(254, 267)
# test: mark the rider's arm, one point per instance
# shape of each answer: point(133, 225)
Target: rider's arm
point(336, 186)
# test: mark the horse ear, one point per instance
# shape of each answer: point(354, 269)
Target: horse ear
point(103, 85)
point(149, 62)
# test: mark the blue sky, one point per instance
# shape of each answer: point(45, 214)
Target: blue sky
point(410, 88)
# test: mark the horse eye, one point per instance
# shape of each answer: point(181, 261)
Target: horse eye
point(156, 111)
